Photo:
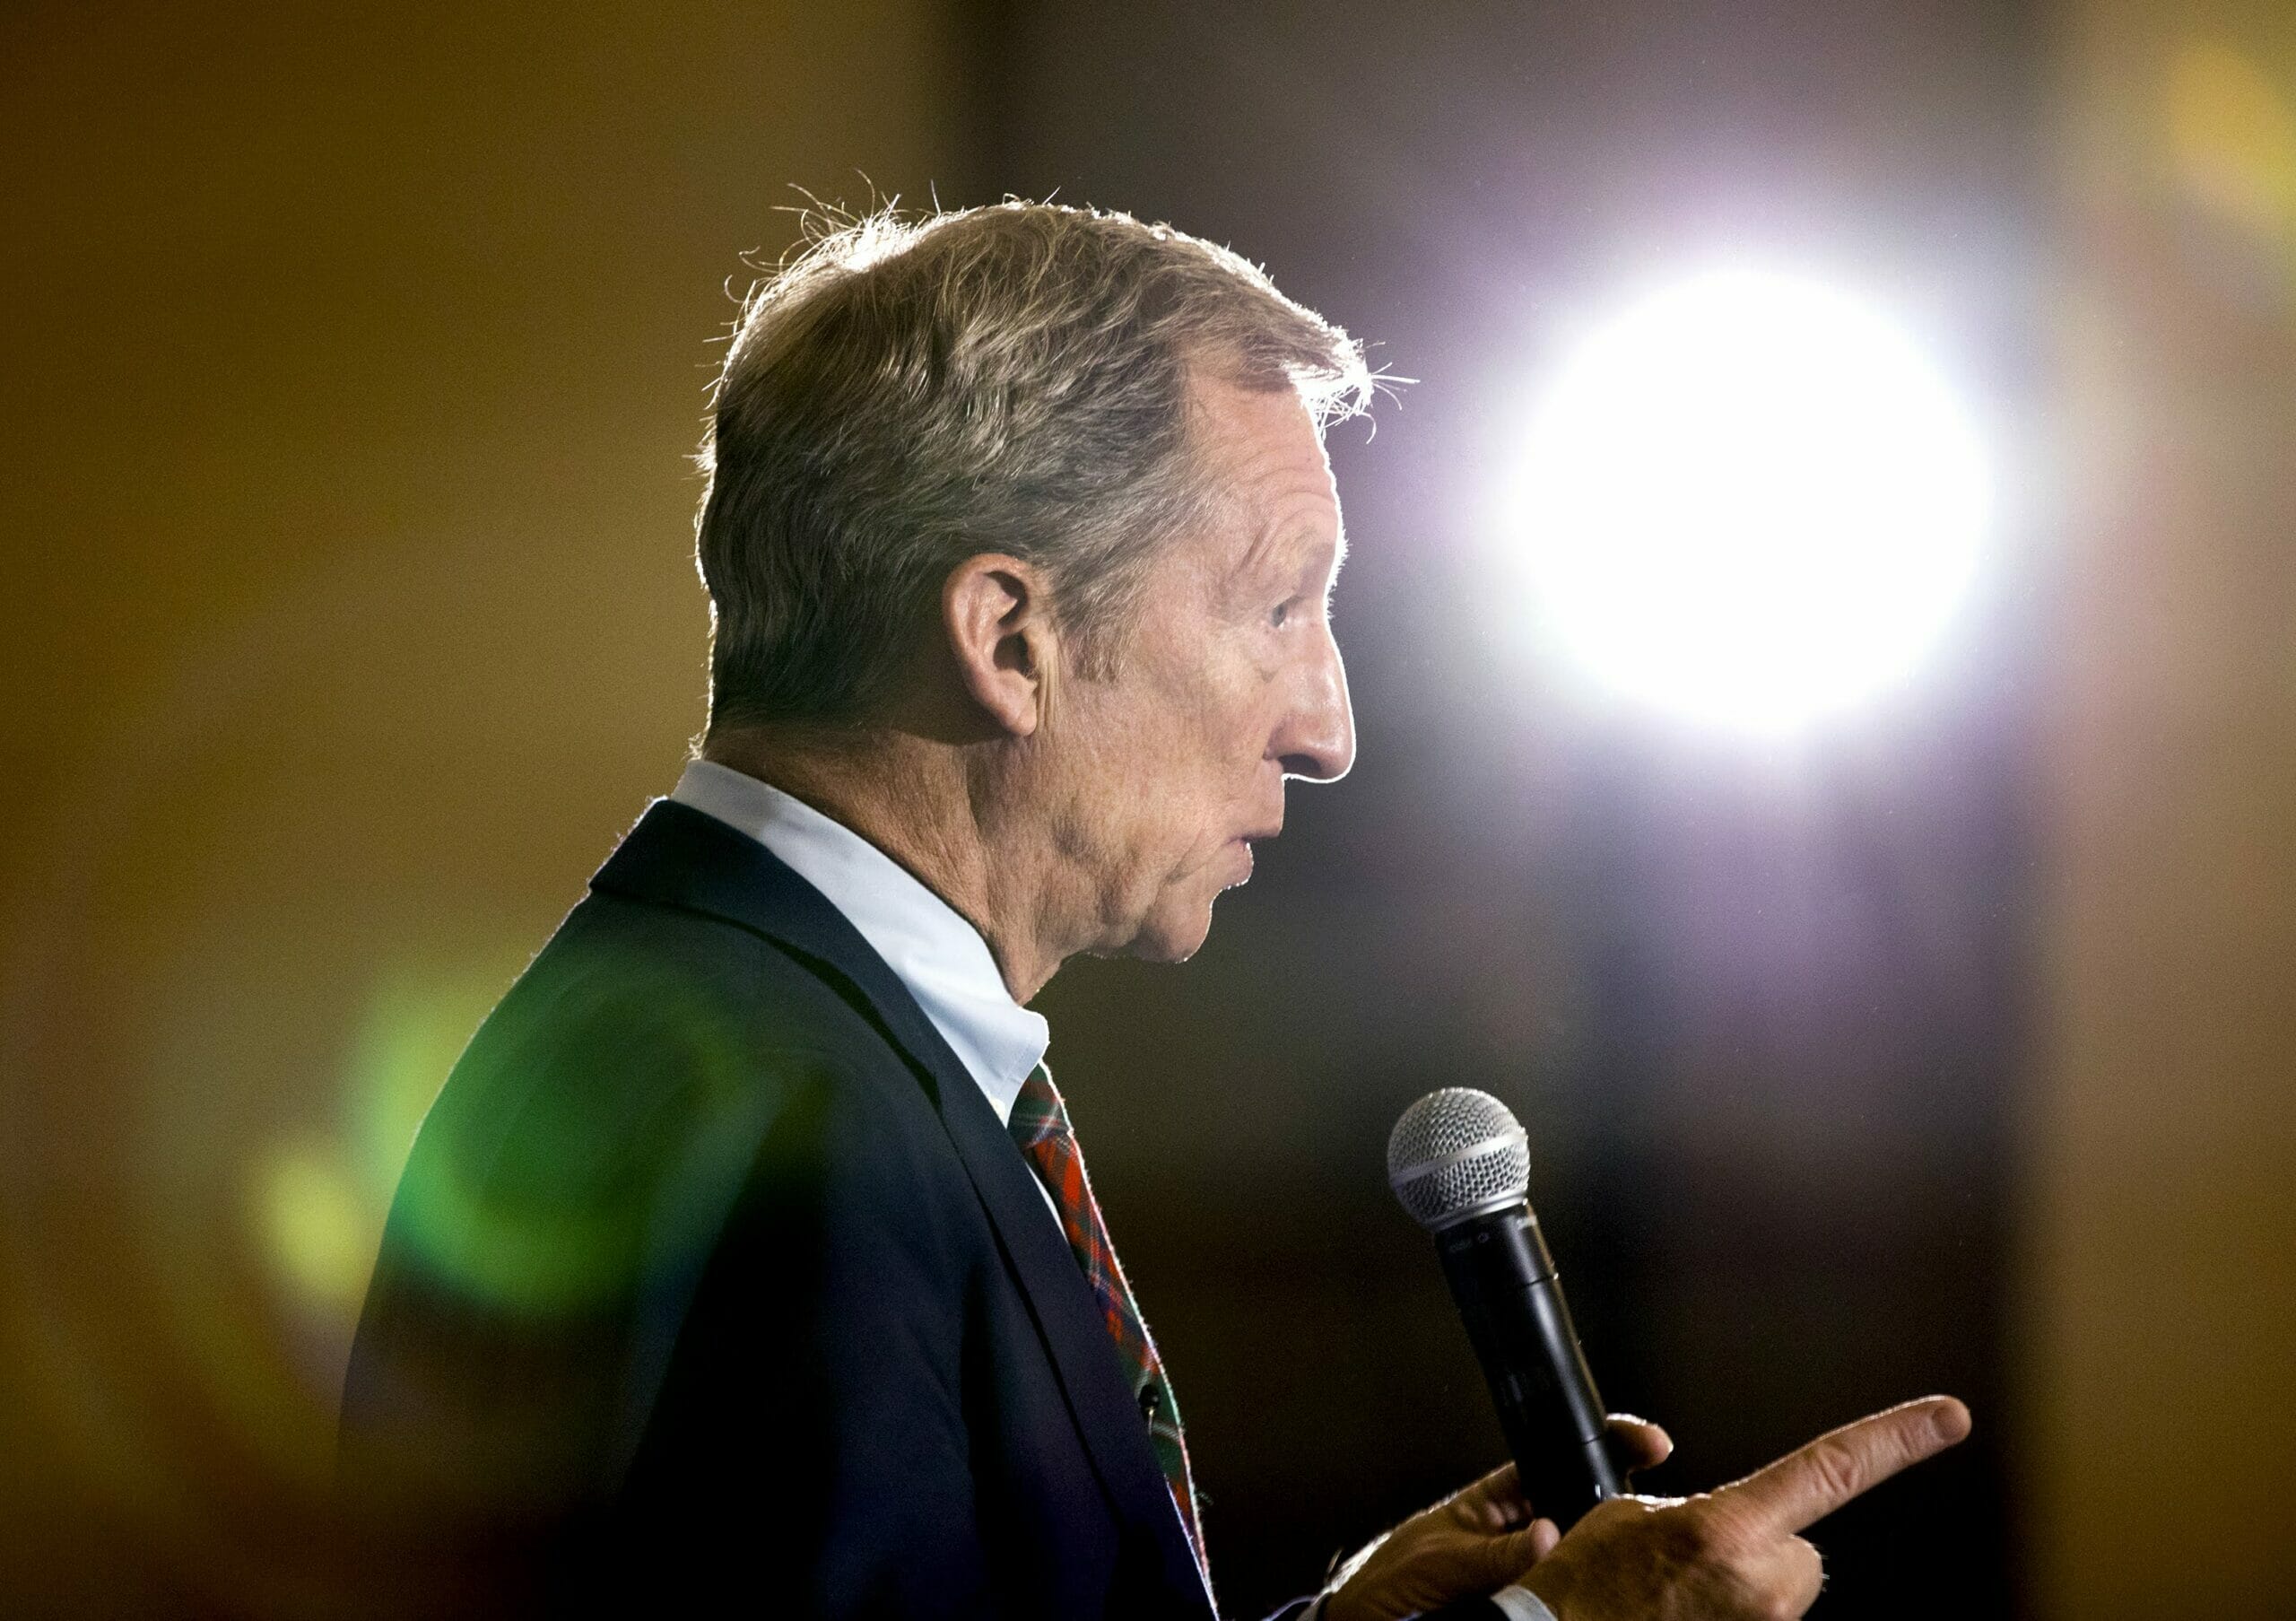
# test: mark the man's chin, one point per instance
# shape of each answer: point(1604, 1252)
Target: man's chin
point(1171, 934)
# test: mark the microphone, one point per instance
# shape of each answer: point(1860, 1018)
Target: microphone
point(1460, 1163)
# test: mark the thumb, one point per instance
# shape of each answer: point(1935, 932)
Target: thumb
point(1504, 1558)
point(1491, 1504)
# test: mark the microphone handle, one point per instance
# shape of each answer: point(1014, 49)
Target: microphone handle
point(1511, 1300)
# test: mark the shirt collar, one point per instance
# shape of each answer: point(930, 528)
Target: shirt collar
point(938, 955)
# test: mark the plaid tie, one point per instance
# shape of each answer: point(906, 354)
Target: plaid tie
point(1039, 1124)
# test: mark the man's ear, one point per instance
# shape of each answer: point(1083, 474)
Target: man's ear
point(996, 613)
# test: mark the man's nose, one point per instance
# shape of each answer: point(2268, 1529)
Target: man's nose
point(1318, 737)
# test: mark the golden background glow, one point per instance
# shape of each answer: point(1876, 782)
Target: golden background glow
point(350, 615)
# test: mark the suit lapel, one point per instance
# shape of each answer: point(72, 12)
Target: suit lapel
point(681, 857)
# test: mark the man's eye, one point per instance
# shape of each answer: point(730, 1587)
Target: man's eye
point(1282, 612)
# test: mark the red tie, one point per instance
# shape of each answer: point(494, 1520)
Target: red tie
point(1039, 1124)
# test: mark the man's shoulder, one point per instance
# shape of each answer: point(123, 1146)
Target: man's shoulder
point(641, 1032)
point(656, 1080)
point(632, 973)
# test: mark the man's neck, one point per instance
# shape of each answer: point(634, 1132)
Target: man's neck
point(914, 799)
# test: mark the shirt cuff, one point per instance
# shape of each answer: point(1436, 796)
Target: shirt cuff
point(1521, 1604)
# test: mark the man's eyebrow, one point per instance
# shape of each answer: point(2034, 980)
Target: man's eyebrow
point(1270, 541)
point(1264, 544)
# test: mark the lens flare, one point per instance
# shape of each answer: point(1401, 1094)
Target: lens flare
point(1750, 499)
point(316, 1229)
point(617, 1111)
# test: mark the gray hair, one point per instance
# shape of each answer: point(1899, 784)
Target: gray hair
point(909, 392)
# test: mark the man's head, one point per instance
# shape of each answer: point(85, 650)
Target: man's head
point(1045, 463)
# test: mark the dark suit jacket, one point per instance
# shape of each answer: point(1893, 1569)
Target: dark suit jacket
point(713, 1274)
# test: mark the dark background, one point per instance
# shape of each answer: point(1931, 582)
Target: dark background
point(351, 360)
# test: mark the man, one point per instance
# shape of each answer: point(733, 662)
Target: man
point(747, 1257)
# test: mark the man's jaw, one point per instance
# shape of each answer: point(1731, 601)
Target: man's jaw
point(1226, 867)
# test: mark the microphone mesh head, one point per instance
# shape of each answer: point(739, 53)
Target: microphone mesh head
point(1457, 1153)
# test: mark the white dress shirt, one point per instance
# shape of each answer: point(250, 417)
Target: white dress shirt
point(939, 956)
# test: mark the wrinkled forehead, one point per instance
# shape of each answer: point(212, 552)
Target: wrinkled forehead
point(1266, 473)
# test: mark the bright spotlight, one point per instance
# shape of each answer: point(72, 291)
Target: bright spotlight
point(1750, 499)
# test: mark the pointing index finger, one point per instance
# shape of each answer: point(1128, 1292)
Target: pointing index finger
point(1808, 1484)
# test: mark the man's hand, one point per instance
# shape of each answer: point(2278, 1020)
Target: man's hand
point(1733, 1553)
point(1473, 1542)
